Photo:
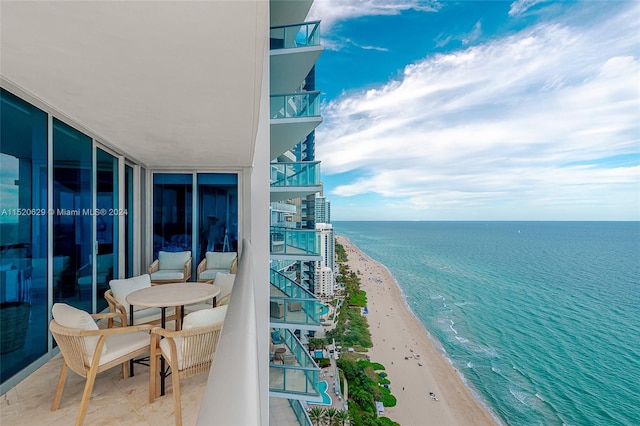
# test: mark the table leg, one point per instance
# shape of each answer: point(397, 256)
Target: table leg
point(130, 323)
point(181, 316)
point(163, 373)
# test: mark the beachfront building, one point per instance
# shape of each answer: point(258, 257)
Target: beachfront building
point(323, 210)
point(324, 277)
point(133, 128)
point(295, 179)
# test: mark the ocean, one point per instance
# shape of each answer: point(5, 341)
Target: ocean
point(542, 319)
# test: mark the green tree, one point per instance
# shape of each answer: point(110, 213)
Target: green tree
point(330, 415)
point(342, 417)
point(316, 414)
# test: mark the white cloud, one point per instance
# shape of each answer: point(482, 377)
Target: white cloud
point(499, 124)
point(333, 11)
point(521, 6)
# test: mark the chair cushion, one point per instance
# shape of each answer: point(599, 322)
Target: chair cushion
point(168, 274)
point(217, 260)
point(173, 260)
point(122, 288)
point(204, 317)
point(225, 282)
point(210, 274)
point(122, 344)
point(71, 317)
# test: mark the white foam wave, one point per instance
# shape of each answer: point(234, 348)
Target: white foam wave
point(520, 396)
point(462, 339)
point(469, 364)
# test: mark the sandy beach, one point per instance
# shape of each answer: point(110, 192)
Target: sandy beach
point(397, 334)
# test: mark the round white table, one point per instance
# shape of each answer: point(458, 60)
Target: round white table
point(167, 295)
point(173, 294)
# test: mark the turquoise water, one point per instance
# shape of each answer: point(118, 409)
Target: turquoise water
point(324, 309)
point(542, 319)
point(326, 398)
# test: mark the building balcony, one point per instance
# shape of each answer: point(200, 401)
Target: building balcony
point(291, 305)
point(283, 207)
point(295, 48)
point(293, 374)
point(293, 117)
point(295, 105)
point(294, 180)
point(294, 244)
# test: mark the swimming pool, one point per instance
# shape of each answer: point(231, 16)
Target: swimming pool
point(324, 309)
point(318, 354)
point(326, 399)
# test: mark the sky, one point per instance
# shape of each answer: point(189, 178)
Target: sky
point(479, 110)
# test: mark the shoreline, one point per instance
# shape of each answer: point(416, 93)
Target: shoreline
point(413, 359)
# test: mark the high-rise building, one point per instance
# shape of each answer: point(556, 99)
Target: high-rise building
point(323, 210)
point(178, 120)
point(324, 273)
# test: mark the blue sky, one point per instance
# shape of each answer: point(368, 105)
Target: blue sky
point(475, 110)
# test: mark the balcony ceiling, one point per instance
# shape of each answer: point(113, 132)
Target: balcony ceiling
point(287, 132)
point(289, 67)
point(289, 11)
point(169, 84)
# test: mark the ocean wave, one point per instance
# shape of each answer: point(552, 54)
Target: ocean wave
point(462, 339)
point(521, 396)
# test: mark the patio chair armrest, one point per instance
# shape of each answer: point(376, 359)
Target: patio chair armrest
point(111, 315)
point(154, 267)
point(116, 330)
point(184, 333)
point(202, 266)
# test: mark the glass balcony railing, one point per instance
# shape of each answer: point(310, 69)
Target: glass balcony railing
point(295, 105)
point(294, 373)
point(304, 173)
point(301, 414)
point(295, 35)
point(292, 304)
point(304, 242)
point(283, 207)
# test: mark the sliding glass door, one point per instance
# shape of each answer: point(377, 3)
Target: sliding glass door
point(23, 234)
point(215, 219)
point(72, 221)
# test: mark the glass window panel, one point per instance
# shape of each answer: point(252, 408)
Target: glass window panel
point(107, 220)
point(72, 221)
point(218, 213)
point(128, 221)
point(172, 212)
point(23, 234)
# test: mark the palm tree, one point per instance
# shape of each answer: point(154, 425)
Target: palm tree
point(342, 416)
point(316, 414)
point(330, 415)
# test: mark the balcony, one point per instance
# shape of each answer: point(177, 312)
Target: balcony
point(295, 48)
point(292, 36)
point(294, 375)
point(292, 305)
point(294, 244)
point(293, 180)
point(293, 117)
point(295, 105)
